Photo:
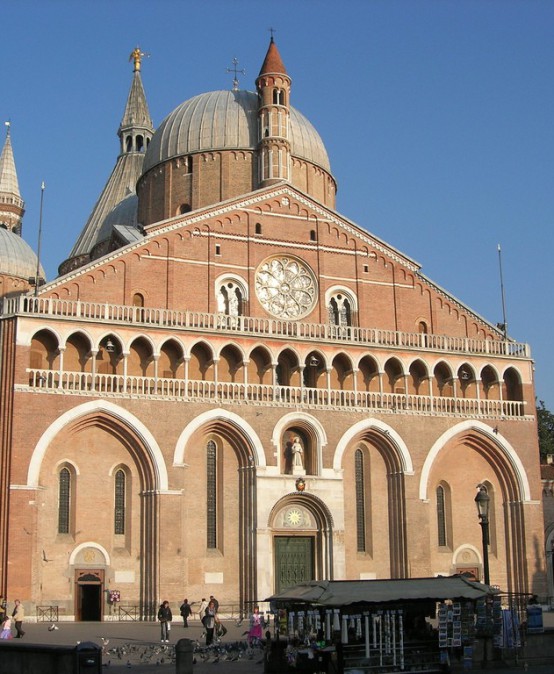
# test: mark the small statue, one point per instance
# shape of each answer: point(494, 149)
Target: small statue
point(297, 452)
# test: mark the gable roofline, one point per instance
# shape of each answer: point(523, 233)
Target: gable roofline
point(245, 202)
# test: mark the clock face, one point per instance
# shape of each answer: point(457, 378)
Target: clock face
point(286, 287)
point(294, 517)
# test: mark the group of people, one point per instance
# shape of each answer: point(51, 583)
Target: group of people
point(6, 619)
point(207, 614)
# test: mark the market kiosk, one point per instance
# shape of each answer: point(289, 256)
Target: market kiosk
point(366, 626)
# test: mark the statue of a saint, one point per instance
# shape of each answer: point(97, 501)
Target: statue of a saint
point(297, 452)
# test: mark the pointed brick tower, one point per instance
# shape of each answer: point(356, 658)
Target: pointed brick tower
point(115, 212)
point(274, 147)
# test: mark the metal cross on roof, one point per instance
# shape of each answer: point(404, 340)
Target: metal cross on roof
point(236, 71)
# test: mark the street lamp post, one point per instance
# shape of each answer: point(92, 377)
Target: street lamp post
point(482, 501)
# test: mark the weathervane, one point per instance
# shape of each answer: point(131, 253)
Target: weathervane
point(137, 55)
point(236, 71)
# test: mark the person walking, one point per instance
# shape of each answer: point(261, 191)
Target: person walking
point(216, 603)
point(209, 620)
point(202, 609)
point(185, 611)
point(165, 617)
point(18, 615)
point(256, 627)
point(6, 632)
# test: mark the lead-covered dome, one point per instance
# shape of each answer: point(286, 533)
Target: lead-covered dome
point(17, 258)
point(226, 120)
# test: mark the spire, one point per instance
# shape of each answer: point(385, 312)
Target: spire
point(118, 196)
point(273, 62)
point(12, 206)
point(136, 128)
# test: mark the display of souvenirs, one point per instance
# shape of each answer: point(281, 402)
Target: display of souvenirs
point(455, 624)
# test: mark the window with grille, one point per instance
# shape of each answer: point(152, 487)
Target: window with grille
point(64, 500)
point(211, 493)
point(441, 516)
point(119, 505)
point(360, 500)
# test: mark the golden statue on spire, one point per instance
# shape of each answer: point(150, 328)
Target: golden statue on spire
point(136, 56)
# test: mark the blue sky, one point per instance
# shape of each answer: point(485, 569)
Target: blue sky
point(438, 119)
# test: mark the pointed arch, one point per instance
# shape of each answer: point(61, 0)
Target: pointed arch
point(496, 440)
point(382, 429)
point(234, 421)
point(96, 409)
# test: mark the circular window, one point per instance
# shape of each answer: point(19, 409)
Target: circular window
point(286, 287)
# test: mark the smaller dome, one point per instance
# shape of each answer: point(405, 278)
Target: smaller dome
point(17, 258)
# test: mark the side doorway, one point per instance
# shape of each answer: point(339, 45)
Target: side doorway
point(89, 591)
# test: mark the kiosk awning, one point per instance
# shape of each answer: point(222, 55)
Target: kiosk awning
point(345, 592)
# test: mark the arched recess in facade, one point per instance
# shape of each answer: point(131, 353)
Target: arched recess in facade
point(143, 450)
point(249, 454)
point(397, 463)
point(319, 524)
point(508, 474)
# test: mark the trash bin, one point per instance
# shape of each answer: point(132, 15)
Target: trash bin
point(184, 650)
point(89, 658)
point(534, 620)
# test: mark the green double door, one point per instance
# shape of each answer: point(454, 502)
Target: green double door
point(294, 561)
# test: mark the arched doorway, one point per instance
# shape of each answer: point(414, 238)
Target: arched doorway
point(302, 541)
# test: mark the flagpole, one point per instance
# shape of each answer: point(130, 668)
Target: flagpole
point(37, 276)
point(504, 321)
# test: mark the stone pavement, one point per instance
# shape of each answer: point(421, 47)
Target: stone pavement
point(135, 646)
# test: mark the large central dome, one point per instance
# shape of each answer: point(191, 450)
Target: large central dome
point(226, 120)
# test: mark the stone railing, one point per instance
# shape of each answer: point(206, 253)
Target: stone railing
point(266, 394)
point(258, 327)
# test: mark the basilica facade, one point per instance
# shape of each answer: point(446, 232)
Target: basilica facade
point(231, 387)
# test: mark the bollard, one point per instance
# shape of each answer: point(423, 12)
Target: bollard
point(184, 650)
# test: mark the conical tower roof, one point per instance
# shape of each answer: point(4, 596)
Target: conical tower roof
point(135, 131)
point(11, 204)
point(272, 62)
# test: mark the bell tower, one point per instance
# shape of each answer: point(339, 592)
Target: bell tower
point(274, 149)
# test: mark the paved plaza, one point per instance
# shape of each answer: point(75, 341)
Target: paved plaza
point(136, 646)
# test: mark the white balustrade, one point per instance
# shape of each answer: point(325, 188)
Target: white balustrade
point(233, 392)
point(245, 325)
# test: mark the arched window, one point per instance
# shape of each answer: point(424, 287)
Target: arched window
point(340, 308)
point(360, 500)
point(441, 516)
point(211, 495)
point(119, 502)
point(278, 97)
point(258, 228)
point(64, 501)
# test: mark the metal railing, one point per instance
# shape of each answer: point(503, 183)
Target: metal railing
point(47, 614)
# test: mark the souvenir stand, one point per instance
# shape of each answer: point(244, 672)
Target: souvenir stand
point(375, 626)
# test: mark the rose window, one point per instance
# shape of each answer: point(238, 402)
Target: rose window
point(286, 287)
